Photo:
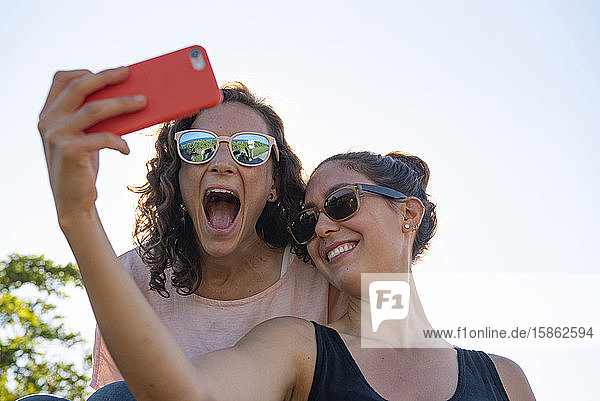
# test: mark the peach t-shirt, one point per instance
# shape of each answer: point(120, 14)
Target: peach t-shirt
point(201, 325)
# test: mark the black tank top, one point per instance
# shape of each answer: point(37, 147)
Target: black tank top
point(337, 376)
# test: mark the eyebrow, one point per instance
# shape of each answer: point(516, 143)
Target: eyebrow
point(328, 192)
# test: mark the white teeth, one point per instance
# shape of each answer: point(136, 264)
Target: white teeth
point(222, 191)
point(342, 248)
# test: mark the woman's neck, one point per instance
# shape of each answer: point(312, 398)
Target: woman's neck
point(241, 274)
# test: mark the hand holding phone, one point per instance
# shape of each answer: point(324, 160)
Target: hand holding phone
point(175, 85)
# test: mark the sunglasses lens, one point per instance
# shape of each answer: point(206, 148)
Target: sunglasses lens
point(303, 226)
point(250, 149)
point(341, 204)
point(197, 146)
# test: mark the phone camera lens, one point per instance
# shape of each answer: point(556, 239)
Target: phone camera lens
point(197, 59)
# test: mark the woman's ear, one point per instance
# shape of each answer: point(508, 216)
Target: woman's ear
point(412, 215)
point(273, 191)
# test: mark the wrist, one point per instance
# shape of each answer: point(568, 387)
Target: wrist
point(72, 223)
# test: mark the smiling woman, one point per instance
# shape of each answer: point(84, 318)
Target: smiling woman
point(354, 246)
point(214, 257)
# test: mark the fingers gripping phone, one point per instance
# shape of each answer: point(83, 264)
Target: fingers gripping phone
point(176, 85)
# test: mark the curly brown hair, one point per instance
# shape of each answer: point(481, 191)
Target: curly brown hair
point(164, 232)
point(405, 173)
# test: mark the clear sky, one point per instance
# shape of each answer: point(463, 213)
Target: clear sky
point(500, 98)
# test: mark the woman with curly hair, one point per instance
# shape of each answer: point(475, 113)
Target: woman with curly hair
point(214, 257)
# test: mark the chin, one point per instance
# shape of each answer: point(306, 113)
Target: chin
point(219, 251)
point(219, 247)
point(346, 280)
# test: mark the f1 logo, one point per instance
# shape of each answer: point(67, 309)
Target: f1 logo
point(389, 301)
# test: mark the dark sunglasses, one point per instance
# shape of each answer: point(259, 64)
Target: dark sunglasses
point(249, 149)
point(342, 204)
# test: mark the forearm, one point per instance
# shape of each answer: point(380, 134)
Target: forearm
point(146, 353)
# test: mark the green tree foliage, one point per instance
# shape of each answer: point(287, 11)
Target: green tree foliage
point(30, 325)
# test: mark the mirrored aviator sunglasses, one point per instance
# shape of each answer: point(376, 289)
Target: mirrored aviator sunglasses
point(340, 205)
point(247, 148)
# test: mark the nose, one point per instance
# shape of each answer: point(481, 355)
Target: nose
point(325, 226)
point(222, 162)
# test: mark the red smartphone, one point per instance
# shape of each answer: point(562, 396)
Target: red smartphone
point(176, 85)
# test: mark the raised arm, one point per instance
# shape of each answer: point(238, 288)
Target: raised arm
point(135, 336)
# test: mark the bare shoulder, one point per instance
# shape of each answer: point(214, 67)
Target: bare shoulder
point(513, 378)
point(292, 343)
point(274, 361)
point(283, 333)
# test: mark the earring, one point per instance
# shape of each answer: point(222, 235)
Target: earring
point(406, 226)
point(271, 196)
point(183, 212)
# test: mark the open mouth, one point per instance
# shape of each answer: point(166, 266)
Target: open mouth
point(221, 207)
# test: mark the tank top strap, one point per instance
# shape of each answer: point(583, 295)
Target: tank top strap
point(478, 378)
point(337, 376)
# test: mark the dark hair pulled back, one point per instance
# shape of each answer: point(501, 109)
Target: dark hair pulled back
point(405, 173)
point(164, 232)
